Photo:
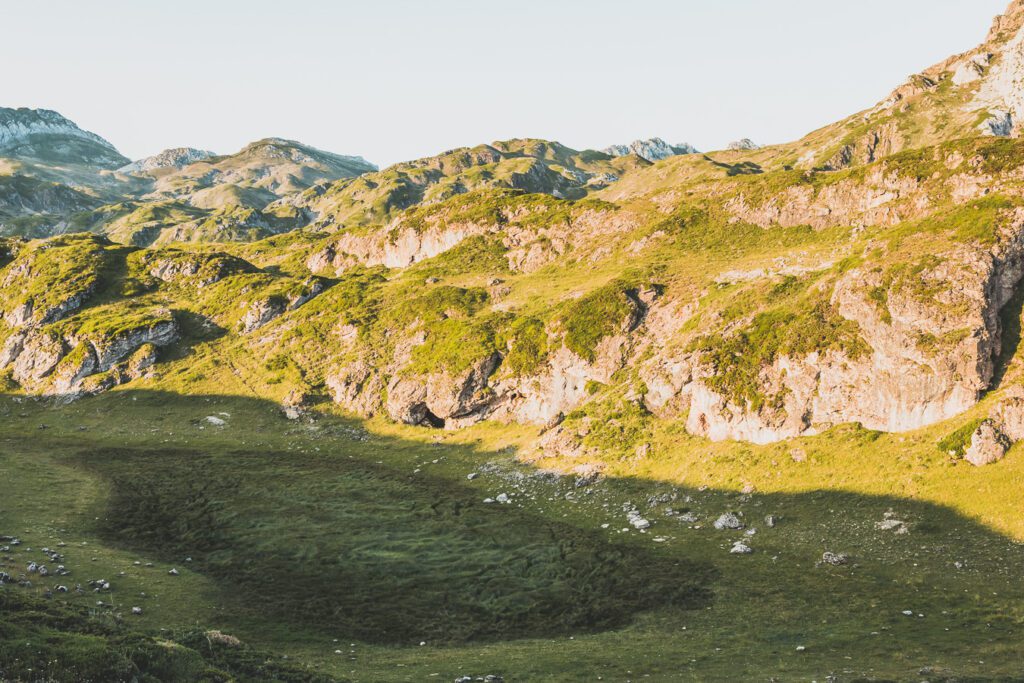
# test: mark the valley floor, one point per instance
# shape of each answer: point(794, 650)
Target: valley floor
point(365, 552)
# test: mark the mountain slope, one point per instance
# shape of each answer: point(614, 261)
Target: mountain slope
point(741, 296)
point(536, 166)
point(976, 92)
point(272, 166)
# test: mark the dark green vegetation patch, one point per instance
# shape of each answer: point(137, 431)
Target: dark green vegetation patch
point(352, 548)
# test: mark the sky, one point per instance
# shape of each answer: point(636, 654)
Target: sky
point(393, 80)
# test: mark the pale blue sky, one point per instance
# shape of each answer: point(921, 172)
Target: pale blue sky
point(398, 79)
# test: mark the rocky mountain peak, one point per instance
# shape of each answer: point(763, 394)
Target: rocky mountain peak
point(175, 157)
point(746, 144)
point(49, 136)
point(652, 149)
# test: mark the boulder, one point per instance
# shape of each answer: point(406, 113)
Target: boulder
point(741, 548)
point(835, 559)
point(728, 521)
point(988, 445)
point(1008, 415)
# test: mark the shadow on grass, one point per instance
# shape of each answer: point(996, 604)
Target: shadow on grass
point(382, 555)
point(373, 541)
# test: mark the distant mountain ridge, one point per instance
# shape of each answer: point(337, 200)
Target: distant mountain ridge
point(59, 178)
point(528, 165)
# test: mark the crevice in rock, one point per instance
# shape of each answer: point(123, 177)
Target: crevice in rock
point(431, 420)
point(1010, 335)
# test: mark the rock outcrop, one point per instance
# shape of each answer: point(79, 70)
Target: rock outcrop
point(988, 445)
point(65, 363)
point(398, 247)
point(484, 390)
point(928, 354)
point(267, 308)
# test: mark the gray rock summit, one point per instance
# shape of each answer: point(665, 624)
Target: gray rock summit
point(745, 144)
point(49, 136)
point(175, 157)
point(654, 149)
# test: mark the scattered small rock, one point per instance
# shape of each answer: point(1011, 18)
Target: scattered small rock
point(891, 523)
point(835, 559)
point(640, 523)
point(222, 639)
point(728, 521)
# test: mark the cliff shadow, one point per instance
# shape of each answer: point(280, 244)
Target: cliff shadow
point(1010, 328)
point(320, 528)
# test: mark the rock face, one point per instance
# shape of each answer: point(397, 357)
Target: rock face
point(897, 383)
point(60, 363)
point(654, 149)
point(396, 248)
point(483, 390)
point(176, 157)
point(198, 270)
point(268, 308)
point(46, 135)
point(1008, 415)
point(528, 247)
point(1001, 89)
point(443, 400)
